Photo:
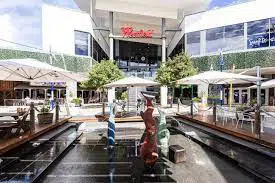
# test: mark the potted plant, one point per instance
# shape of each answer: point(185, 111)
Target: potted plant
point(77, 102)
point(45, 116)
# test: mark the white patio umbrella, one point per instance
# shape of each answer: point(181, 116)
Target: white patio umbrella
point(264, 85)
point(32, 70)
point(216, 77)
point(131, 81)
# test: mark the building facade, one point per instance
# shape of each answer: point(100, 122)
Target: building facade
point(140, 35)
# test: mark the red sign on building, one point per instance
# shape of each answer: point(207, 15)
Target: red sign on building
point(129, 32)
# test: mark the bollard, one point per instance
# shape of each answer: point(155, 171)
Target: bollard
point(178, 105)
point(192, 106)
point(257, 122)
point(103, 108)
point(56, 111)
point(32, 117)
point(215, 113)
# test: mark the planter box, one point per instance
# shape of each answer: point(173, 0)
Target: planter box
point(45, 118)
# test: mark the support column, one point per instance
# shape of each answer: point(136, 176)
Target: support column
point(45, 94)
point(163, 89)
point(30, 93)
point(266, 96)
point(240, 96)
point(23, 94)
point(248, 96)
point(111, 92)
point(59, 93)
point(71, 90)
point(111, 39)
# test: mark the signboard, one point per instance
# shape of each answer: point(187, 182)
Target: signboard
point(129, 32)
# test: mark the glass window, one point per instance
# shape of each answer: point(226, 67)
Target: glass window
point(258, 34)
point(214, 39)
point(234, 37)
point(272, 32)
point(81, 43)
point(193, 43)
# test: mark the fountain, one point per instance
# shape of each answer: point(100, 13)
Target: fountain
point(149, 149)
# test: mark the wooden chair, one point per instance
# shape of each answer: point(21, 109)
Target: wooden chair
point(19, 124)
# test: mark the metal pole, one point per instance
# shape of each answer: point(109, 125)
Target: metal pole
point(257, 110)
point(32, 117)
point(221, 69)
point(128, 99)
point(56, 111)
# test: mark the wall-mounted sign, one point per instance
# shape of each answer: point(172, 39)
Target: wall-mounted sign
point(129, 32)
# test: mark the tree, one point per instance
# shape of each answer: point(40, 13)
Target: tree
point(101, 74)
point(174, 69)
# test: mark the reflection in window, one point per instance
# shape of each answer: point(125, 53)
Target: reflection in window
point(272, 32)
point(234, 37)
point(193, 43)
point(214, 39)
point(226, 38)
point(258, 34)
point(81, 43)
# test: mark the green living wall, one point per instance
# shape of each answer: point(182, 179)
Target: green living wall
point(72, 63)
point(242, 60)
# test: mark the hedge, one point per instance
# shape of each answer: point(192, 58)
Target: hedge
point(242, 60)
point(72, 63)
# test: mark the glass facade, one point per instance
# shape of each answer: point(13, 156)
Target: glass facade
point(234, 37)
point(258, 34)
point(193, 43)
point(81, 43)
point(137, 58)
point(227, 38)
point(86, 45)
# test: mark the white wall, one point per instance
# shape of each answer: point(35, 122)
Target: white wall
point(58, 26)
point(240, 13)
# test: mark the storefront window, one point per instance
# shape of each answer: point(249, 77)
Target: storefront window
point(193, 43)
point(258, 34)
point(81, 43)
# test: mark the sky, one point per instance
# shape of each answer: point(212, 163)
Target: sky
point(20, 20)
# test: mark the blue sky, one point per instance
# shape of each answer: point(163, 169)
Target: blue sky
point(21, 19)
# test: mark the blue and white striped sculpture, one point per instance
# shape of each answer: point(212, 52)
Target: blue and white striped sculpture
point(111, 125)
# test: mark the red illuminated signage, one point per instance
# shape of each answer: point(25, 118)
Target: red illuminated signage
point(129, 32)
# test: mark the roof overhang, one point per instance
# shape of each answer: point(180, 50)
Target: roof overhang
point(155, 8)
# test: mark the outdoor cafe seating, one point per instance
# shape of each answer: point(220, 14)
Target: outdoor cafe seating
point(14, 120)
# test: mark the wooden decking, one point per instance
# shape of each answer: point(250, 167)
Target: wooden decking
point(265, 139)
point(99, 118)
point(10, 143)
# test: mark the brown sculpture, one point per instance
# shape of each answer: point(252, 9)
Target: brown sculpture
point(149, 149)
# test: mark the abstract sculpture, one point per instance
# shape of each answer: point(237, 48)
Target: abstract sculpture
point(149, 149)
point(163, 133)
point(111, 125)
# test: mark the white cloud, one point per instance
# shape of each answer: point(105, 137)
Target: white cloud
point(21, 22)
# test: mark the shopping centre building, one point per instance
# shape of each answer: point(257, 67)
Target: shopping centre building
point(140, 35)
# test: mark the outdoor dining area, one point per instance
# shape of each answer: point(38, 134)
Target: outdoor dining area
point(249, 120)
point(24, 122)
